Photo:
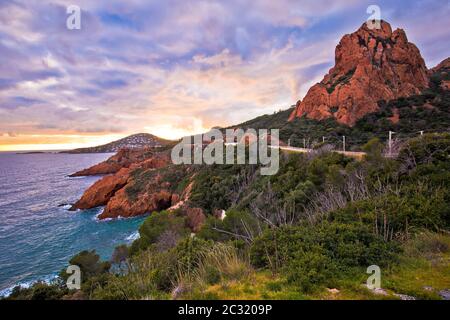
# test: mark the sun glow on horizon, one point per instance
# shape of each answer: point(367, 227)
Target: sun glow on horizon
point(171, 132)
point(50, 142)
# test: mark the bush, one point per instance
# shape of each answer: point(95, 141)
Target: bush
point(232, 224)
point(38, 291)
point(189, 253)
point(90, 265)
point(309, 270)
point(159, 227)
point(427, 149)
point(320, 253)
point(427, 243)
point(414, 207)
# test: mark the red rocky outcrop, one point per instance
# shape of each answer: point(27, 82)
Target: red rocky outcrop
point(124, 159)
point(370, 65)
point(110, 191)
point(102, 191)
point(122, 206)
point(442, 68)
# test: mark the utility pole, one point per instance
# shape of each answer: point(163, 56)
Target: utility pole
point(289, 142)
point(390, 143)
point(343, 143)
point(323, 139)
point(304, 143)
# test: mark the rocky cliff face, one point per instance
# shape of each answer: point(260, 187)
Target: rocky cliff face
point(110, 191)
point(122, 206)
point(126, 158)
point(370, 65)
point(442, 70)
point(444, 66)
point(144, 182)
point(103, 190)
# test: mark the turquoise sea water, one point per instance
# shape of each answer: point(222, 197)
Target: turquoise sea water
point(37, 235)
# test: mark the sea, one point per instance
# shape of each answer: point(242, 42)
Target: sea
point(38, 234)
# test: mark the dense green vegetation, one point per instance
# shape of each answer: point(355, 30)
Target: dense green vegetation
point(317, 224)
point(308, 232)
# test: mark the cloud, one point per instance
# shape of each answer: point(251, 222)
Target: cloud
point(19, 101)
point(175, 66)
point(6, 83)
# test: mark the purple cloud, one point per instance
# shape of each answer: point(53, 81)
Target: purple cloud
point(139, 64)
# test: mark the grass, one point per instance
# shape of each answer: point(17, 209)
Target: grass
point(256, 286)
point(424, 263)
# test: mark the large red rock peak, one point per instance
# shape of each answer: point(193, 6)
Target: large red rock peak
point(370, 65)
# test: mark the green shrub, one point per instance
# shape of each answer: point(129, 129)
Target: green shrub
point(393, 216)
point(232, 224)
point(90, 265)
point(156, 226)
point(310, 270)
point(320, 253)
point(189, 252)
point(38, 291)
point(427, 243)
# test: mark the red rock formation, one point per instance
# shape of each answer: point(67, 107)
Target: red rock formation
point(126, 158)
point(98, 169)
point(122, 206)
point(102, 191)
point(444, 66)
point(370, 65)
point(107, 188)
point(157, 161)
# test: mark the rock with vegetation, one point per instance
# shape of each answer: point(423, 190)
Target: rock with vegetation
point(125, 158)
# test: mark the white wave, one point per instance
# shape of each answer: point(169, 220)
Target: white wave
point(134, 236)
point(26, 284)
point(99, 211)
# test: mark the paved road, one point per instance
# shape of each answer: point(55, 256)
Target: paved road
point(353, 154)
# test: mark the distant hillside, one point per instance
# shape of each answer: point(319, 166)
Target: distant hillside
point(135, 141)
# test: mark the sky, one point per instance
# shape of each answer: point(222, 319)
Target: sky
point(175, 67)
